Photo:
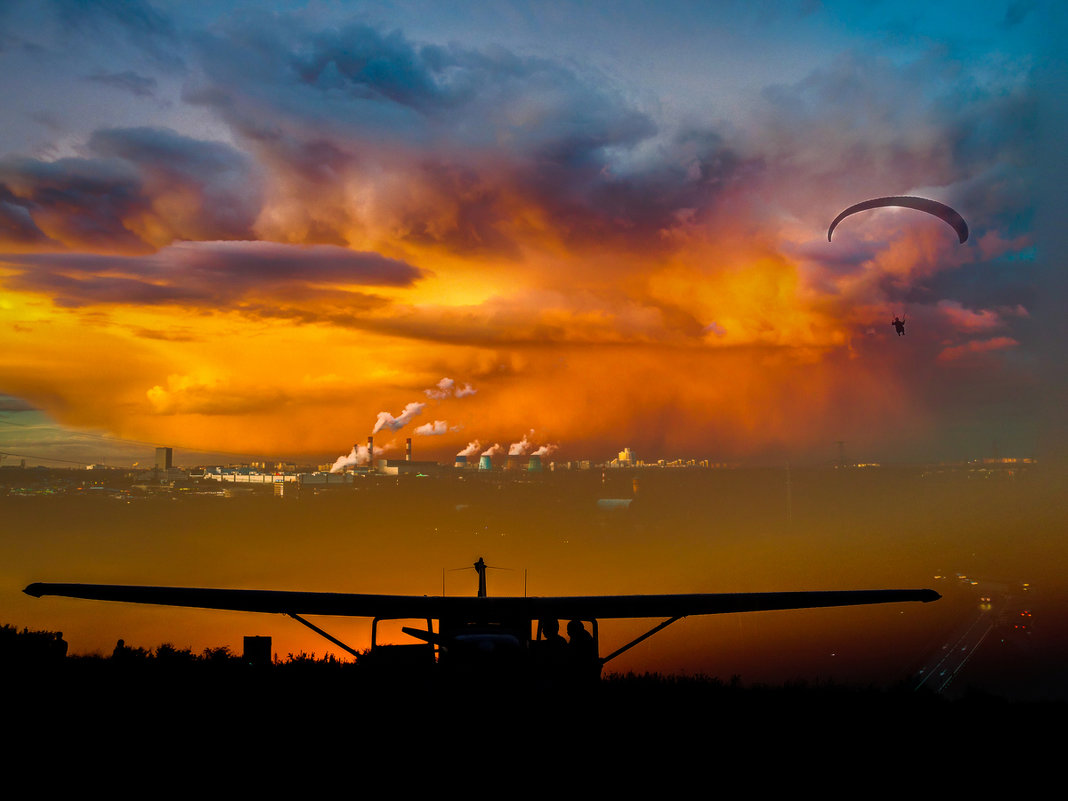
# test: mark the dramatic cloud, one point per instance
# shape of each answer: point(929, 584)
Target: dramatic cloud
point(613, 237)
point(218, 274)
point(475, 151)
point(139, 189)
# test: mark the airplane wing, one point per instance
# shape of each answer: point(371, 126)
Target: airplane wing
point(493, 608)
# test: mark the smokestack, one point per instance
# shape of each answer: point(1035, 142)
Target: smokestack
point(408, 450)
point(371, 452)
point(355, 460)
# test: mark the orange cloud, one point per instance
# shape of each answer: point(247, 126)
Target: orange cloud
point(976, 347)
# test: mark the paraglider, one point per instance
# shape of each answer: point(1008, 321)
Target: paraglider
point(939, 210)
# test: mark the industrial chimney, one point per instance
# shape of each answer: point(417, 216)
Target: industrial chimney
point(371, 452)
point(408, 450)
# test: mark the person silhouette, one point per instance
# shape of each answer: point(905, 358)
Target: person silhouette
point(552, 650)
point(899, 325)
point(582, 652)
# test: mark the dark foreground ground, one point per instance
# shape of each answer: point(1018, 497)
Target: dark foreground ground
point(170, 715)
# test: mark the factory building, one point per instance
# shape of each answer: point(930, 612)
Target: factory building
point(325, 480)
point(248, 475)
point(406, 467)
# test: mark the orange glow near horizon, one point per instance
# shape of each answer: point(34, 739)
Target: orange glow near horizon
point(764, 362)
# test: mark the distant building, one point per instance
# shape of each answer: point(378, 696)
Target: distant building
point(401, 467)
point(164, 458)
point(246, 475)
point(324, 478)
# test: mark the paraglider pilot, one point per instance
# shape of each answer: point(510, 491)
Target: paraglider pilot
point(899, 325)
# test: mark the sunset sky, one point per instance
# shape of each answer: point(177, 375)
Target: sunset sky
point(227, 228)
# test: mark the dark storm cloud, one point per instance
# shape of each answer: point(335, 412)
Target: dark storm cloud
point(78, 201)
point(477, 136)
point(127, 81)
point(268, 261)
point(356, 80)
point(74, 292)
point(223, 180)
point(141, 188)
point(216, 274)
point(537, 320)
point(588, 200)
point(16, 223)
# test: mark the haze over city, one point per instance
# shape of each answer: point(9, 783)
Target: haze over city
point(264, 232)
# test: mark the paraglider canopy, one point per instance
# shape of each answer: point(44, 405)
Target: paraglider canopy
point(939, 210)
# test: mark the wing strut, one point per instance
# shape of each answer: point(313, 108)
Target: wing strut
point(645, 636)
point(322, 633)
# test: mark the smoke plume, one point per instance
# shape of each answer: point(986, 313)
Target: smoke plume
point(447, 387)
point(386, 420)
point(443, 389)
point(435, 429)
point(357, 456)
point(521, 447)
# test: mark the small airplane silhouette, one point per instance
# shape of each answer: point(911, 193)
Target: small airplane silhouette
point(488, 634)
